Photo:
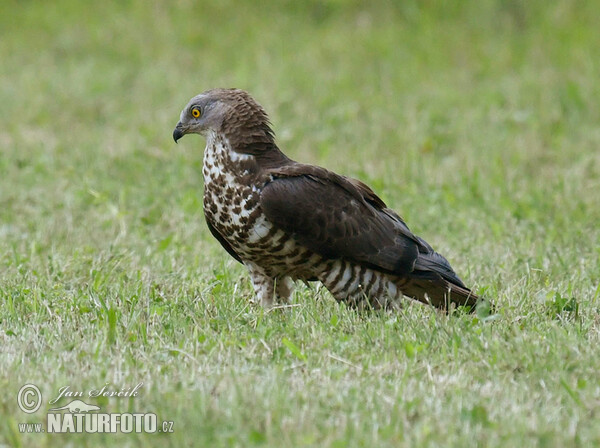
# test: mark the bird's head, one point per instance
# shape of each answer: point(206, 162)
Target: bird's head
point(233, 113)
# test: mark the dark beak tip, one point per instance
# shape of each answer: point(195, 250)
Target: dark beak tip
point(177, 134)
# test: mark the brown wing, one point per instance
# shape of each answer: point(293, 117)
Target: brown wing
point(338, 218)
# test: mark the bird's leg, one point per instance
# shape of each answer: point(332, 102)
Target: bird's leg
point(262, 283)
point(284, 287)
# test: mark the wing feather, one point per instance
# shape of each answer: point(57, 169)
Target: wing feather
point(338, 218)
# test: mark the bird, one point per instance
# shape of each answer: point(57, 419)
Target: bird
point(287, 221)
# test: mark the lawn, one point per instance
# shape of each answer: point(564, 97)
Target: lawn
point(478, 121)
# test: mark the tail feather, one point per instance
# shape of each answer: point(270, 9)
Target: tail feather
point(439, 292)
point(434, 282)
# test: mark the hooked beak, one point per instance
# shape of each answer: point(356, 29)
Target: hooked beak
point(178, 132)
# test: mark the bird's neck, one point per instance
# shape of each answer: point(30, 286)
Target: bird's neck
point(221, 163)
point(241, 156)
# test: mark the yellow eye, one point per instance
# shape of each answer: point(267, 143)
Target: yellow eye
point(196, 112)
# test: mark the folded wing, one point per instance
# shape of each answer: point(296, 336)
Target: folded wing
point(338, 218)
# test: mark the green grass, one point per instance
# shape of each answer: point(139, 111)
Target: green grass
point(478, 121)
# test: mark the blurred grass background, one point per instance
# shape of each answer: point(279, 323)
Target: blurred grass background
point(478, 121)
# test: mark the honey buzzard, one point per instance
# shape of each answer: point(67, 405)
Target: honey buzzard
point(288, 221)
